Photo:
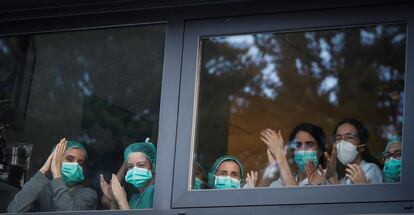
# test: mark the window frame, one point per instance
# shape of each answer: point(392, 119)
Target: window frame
point(195, 30)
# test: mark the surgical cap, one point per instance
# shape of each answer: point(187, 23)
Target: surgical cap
point(216, 164)
point(147, 148)
point(70, 144)
point(391, 140)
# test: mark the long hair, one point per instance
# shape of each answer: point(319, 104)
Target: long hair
point(317, 133)
point(363, 135)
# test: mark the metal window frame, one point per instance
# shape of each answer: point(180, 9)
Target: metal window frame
point(289, 22)
point(168, 197)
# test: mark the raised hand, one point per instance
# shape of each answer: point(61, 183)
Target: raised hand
point(331, 174)
point(56, 164)
point(315, 177)
point(106, 189)
point(251, 179)
point(274, 142)
point(119, 193)
point(356, 174)
point(46, 166)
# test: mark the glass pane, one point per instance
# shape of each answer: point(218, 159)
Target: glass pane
point(336, 96)
point(100, 88)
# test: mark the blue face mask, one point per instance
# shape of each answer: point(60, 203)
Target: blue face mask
point(138, 177)
point(72, 173)
point(392, 170)
point(226, 182)
point(303, 157)
point(198, 184)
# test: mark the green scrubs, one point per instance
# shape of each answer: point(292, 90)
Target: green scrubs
point(142, 200)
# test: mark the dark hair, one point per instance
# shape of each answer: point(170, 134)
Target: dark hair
point(363, 136)
point(317, 133)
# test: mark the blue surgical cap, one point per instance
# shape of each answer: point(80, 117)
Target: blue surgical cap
point(391, 140)
point(147, 148)
point(216, 164)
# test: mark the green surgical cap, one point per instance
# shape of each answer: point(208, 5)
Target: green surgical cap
point(391, 140)
point(146, 147)
point(217, 163)
point(70, 144)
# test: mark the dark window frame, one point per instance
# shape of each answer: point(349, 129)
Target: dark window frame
point(170, 149)
point(290, 22)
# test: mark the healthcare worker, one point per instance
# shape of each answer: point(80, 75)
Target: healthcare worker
point(140, 159)
point(64, 192)
point(392, 158)
point(351, 139)
point(227, 172)
point(308, 143)
point(200, 177)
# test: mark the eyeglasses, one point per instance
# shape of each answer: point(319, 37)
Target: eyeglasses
point(388, 155)
point(346, 136)
point(305, 145)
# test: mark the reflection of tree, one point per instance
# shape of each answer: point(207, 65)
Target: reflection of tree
point(320, 77)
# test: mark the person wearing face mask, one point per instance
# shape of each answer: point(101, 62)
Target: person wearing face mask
point(140, 160)
point(226, 173)
point(350, 148)
point(392, 159)
point(308, 143)
point(64, 192)
point(199, 177)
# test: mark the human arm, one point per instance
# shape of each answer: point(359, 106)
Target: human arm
point(119, 193)
point(275, 144)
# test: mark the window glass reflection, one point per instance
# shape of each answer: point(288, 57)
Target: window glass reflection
point(99, 89)
point(318, 107)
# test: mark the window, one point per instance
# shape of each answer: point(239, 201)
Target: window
point(242, 75)
point(303, 83)
point(98, 87)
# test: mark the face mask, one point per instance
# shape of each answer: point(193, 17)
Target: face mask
point(198, 184)
point(226, 182)
point(303, 157)
point(72, 173)
point(392, 170)
point(138, 177)
point(347, 152)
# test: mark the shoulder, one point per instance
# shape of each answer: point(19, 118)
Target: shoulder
point(85, 191)
point(372, 172)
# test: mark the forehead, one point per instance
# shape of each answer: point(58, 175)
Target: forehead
point(396, 146)
point(346, 128)
point(137, 157)
point(75, 152)
point(229, 166)
point(304, 136)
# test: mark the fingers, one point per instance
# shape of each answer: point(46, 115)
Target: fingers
point(327, 157)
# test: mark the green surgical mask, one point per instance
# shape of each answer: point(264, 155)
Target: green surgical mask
point(303, 157)
point(226, 182)
point(392, 170)
point(138, 177)
point(198, 184)
point(72, 173)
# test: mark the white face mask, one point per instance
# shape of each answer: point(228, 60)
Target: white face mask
point(346, 152)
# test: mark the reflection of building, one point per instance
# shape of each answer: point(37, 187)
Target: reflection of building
point(120, 87)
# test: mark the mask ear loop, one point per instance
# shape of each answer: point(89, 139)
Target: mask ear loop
point(361, 147)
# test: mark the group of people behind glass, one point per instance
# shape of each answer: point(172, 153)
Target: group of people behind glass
point(58, 185)
point(308, 162)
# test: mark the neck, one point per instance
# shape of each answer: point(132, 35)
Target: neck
point(141, 190)
point(358, 159)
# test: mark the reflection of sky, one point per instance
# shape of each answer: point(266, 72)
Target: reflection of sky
point(268, 75)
